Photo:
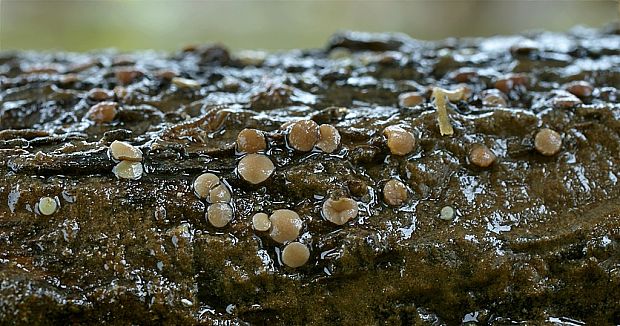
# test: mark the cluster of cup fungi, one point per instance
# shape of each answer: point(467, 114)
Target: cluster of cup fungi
point(255, 166)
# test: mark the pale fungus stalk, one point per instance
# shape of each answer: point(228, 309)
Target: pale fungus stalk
point(441, 97)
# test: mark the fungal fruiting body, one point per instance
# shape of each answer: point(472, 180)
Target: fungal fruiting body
point(579, 88)
point(548, 142)
point(208, 186)
point(447, 213)
point(303, 135)
point(285, 225)
point(481, 156)
point(493, 98)
point(128, 170)
point(441, 97)
point(255, 168)
point(166, 74)
point(47, 205)
point(251, 141)
point(122, 151)
point(219, 214)
point(511, 82)
point(565, 100)
point(100, 94)
point(261, 222)
point(204, 183)
point(185, 83)
point(126, 76)
point(399, 141)
point(340, 211)
point(251, 57)
point(295, 254)
point(219, 194)
point(102, 112)
point(129, 156)
point(395, 192)
point(410, 99)
point(329, 138)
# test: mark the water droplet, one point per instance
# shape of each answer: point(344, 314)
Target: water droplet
point(13, 198)
point(160, 213)
point(69, 198)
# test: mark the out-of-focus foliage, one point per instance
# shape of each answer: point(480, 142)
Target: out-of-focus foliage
point(166, 25)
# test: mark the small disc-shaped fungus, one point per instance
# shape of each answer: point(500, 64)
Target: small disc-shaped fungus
point(295, 254)
point(481, 156)
point(340, 211)
point(548, 142)
point(185, 83)
point(251, 141)
point(303, 135)
point(102, 112)
point(100, 94)
point(329, 138)
point(128, 170)
point(261, 222)
point(410, 99)
point(219, 194)
point(219, 214)
point(285, 225)
point(255, 168)
point(395, 192)
point(204, 183)
point(123, 151)
point(47, 205)
point(399, 140)
point(447, 213)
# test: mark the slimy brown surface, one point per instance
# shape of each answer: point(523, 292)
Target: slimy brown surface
point(534, 238)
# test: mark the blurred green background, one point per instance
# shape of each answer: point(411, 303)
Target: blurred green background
point(167, 25)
